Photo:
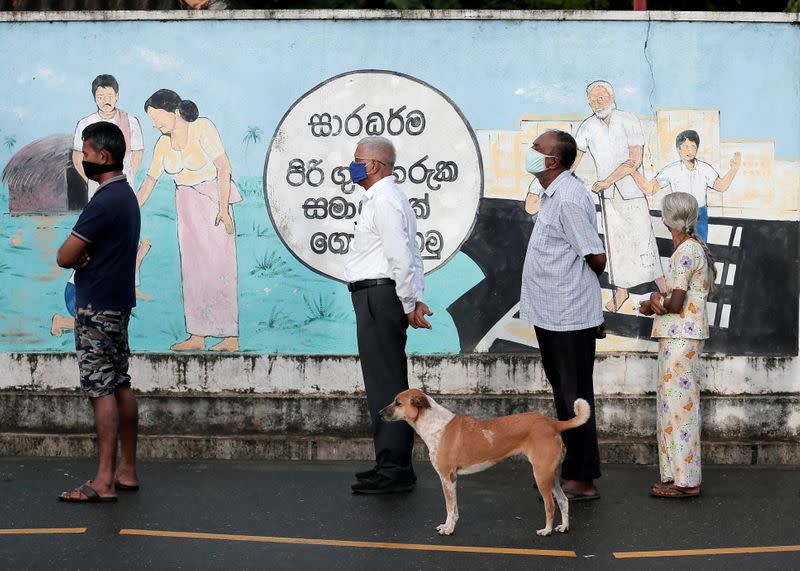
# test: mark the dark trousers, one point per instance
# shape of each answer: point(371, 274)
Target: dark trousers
point(381, 327)
point(568, 360)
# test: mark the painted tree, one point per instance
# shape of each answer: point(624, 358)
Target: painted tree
point(9, 142)
point(252, 136)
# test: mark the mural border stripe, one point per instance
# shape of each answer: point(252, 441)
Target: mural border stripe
point(499, 15)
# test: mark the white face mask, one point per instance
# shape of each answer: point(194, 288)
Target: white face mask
point(534, 161)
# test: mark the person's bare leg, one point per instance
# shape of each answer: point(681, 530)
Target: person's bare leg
point(580, 487)
point(128, 433)
point(141, 252)
point(106, 422)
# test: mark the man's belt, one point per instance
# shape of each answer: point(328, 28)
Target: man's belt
point(364, 284)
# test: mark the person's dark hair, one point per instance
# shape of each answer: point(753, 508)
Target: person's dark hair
point(566, 149)
point(168, 100)
point(104, 80)
point(687, 135)
point(105, 136)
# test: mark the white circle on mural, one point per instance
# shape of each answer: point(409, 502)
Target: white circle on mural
point(310, 199)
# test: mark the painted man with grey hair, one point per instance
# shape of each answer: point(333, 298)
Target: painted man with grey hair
point(386, 280)
point(616, 141)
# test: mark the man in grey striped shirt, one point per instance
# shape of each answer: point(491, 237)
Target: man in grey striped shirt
point(561, 297)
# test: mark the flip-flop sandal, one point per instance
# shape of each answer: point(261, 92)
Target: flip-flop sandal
point(575, 496)
point(92, 497)
point(120, 487)
point(673, 491)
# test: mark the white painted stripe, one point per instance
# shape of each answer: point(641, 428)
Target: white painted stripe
point(497, 331)
point(711, 312)
point(718, 234)
point(725, 316)
point(737, 240)
point(720, 266)
point(731, 273)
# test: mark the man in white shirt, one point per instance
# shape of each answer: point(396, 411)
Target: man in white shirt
point(616, 142)
point(105, 91)
point(386, 280)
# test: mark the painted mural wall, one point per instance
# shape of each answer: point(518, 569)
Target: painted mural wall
point(278, 108)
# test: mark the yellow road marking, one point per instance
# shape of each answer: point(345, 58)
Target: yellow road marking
point(343, 543)
point(718, 551)
point(43, 530)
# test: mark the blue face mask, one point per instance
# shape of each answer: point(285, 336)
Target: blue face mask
point(358, 171)
point(534, 161)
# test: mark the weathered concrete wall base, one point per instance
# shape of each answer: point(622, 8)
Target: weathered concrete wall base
point(627, 451)
point(321, 375)
point(738, 419)
point(736, 429)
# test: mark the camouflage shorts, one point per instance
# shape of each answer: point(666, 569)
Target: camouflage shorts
point(101, 342)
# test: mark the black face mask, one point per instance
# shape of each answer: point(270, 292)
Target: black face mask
point(95, 169)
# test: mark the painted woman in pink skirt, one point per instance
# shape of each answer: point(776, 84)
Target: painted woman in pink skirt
point(190, 151)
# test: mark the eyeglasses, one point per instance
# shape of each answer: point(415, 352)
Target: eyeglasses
point(363, 160)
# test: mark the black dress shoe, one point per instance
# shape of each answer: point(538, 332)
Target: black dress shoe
point(382, 485)
point(367, 474)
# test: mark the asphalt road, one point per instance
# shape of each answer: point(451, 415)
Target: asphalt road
point(302, 515)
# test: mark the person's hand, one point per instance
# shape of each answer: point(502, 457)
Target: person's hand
point(657, 303)
point(645, 308)
point(82, 262)
point(600, 186)
point(416, 318)
point(225, 217)
point(736, 161)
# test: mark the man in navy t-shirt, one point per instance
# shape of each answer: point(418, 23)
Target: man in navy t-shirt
point(102, 251)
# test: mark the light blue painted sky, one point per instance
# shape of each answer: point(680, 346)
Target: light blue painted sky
point(243, 73)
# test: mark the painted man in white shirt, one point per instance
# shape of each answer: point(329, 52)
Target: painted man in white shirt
point(105, 91)
point(692, 176)
point(386, 279)
point(616, 142)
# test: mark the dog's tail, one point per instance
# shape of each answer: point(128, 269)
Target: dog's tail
point(582, 413)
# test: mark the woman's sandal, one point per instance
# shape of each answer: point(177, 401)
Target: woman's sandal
point(673, 491)
point(662, 485)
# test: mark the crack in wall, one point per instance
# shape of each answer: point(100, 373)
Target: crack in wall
point(650, 64)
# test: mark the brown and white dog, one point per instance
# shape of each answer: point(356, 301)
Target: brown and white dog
point(465, 445)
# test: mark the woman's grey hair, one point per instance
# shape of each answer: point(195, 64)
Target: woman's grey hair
point(679, 211)
point(604, 84)
point(379, 149)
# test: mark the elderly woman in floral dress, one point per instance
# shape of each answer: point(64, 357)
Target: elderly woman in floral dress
point(681, 327)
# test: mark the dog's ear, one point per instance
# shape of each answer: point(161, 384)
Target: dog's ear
point(420, 401)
